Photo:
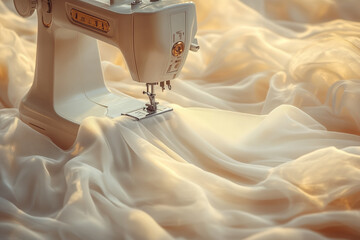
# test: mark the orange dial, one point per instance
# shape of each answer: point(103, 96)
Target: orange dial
point(178, 48)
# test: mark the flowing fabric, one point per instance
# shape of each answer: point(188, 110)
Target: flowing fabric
point(263, 142)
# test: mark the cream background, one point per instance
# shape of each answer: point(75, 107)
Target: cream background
point(262, 144)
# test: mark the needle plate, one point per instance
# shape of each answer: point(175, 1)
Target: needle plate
point(143, 113)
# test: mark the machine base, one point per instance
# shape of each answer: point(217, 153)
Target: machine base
point(143, 113)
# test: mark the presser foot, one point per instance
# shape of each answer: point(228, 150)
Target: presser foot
point(152, 108)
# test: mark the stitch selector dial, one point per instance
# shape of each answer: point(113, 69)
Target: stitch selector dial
point(178, 49)
point(25, 8)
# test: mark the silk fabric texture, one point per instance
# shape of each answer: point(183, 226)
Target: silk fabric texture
point(262, 143)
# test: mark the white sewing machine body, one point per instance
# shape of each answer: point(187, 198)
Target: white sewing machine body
point(153, 36)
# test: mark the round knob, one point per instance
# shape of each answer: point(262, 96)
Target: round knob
point(178, 49)
point(25, 8)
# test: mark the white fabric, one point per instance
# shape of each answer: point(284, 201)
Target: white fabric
point(262, 144)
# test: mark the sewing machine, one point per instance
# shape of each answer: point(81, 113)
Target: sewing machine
point(154, 37)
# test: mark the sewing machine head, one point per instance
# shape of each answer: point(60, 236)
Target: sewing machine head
point(154, 37)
